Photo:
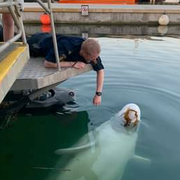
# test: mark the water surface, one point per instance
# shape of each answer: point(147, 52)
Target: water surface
point(139, 70)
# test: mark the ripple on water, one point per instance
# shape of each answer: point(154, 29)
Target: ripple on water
point(145, 73)
point(160, 119)
point(96, 114)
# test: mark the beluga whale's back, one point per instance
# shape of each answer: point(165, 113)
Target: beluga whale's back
point(106, 157)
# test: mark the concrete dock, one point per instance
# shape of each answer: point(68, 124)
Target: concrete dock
point(104, 14)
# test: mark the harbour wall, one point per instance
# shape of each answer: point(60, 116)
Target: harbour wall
point(104, 14)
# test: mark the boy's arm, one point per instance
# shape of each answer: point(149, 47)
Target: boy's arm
point(99, 87)
point(77, 65)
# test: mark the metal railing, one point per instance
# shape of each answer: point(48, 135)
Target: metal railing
point(13, 7)
point(50, 12)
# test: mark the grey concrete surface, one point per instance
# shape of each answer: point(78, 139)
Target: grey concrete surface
point(35, 76)
point(103, 14)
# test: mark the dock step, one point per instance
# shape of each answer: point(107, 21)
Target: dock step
point(10, 66)
point(35, 76)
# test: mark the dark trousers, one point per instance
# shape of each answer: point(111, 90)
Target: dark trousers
point(34, 43)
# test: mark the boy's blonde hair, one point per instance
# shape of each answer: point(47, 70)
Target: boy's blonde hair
point(91, 46)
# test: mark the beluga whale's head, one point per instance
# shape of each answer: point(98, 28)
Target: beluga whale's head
point(128, 117)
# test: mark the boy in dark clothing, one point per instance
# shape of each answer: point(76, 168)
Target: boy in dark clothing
point(73, 52)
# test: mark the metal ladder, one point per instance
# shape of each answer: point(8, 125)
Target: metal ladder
point(15, 7)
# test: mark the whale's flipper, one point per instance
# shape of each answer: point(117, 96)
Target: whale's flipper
point(141, 159)
point(86, 142)
point(73, 149)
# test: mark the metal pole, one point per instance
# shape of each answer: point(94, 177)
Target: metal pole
point(49, 11)
point(21, 25)
point(43, 6)
point(7, 4)
point(54, 36)
point(12, 7)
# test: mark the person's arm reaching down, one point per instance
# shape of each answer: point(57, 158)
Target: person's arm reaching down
point(99, 87)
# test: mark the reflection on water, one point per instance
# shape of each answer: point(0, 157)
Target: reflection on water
point(110, 30)
point(144, 71)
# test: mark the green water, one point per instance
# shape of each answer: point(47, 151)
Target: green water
point(139, 70)
point(30, 144)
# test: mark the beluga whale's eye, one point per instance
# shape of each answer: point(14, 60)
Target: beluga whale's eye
point(131, 118)
point(71, 94)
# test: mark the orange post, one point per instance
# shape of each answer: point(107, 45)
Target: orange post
point(45, 19)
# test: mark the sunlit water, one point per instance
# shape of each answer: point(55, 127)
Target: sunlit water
point(142, 71)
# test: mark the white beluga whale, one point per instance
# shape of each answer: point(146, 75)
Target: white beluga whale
point(105, 157)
